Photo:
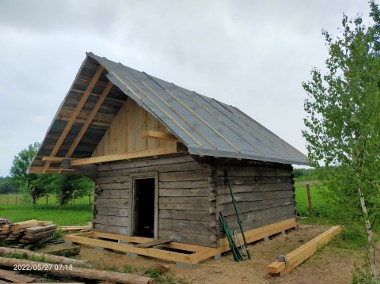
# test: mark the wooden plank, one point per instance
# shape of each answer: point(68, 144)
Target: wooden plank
point(302, 253)
point(125, 156)
point(152, 243)
point(41, 170)
point(74, 116)
point(158, 135)
point(44, 223)
point(25, 224)
point(15, 277)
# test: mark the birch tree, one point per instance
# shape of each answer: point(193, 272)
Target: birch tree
point(343, 120)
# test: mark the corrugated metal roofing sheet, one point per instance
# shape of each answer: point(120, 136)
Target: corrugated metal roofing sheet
point(206, 126)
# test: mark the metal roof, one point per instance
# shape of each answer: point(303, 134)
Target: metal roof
point(206, 126)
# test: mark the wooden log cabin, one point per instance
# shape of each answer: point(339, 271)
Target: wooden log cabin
point(160, 154)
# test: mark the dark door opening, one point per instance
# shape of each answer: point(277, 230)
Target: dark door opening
point(143, 209)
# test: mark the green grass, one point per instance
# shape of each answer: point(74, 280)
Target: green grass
point(71, 214)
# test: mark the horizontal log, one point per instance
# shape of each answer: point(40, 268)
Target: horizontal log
point(183, 184)
point(254, 180)
point(111, 194)
point(115, 203)
point(236, 171)
point(185, 175)
point(111, 229)
point(254, 187)
point(111, 220)
point(111, 211)
point(183, 200)
point(172, 192)
point(184, 226)
point(255, 196)
point(251, 206)
point(117, 186)
point(190, 215)
point(189, 238)
point(49, 258)
point(184, 206)
point(78, 272)
point(178, 159)
point(302, 253)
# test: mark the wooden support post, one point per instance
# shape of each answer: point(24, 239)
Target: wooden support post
point(7, 200)
point(309, 197)
point(47, 199)
point(16, 200)
point(302, 253)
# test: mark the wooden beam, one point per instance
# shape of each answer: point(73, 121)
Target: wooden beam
point(41, 170)
point(151, 252)
point(125, 156)
point(302, 253)
point(54, 159)
point(74, 116)
point(158, 135)
point(90, 118)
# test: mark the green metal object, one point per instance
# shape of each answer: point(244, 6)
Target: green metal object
point(238, 217)
point(233, 247)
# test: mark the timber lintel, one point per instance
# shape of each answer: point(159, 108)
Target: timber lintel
point(124, 156)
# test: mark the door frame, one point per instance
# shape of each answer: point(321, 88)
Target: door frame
point(133, 178)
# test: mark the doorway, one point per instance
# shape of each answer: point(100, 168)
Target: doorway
point(144, 208)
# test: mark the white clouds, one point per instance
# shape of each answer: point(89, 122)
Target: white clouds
point(252, 54)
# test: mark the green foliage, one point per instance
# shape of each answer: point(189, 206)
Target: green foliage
point(343, 117)
point(304, 173)
point(128, 268)
point(6, 186)
point(20, 178)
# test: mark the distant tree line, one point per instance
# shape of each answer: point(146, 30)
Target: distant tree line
point(34, 186)
point(300, 173)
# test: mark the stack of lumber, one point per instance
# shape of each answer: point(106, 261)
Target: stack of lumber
point(27, 232)
point(4, 233)
point(39, 233)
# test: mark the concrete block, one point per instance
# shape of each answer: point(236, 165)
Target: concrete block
point(131, 254)
point(186, 265)
point(218, 257)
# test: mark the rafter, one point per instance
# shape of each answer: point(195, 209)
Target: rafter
point(75, 114)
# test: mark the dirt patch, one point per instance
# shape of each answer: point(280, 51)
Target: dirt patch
point(328, 265)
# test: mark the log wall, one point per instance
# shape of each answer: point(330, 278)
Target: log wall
point(264, 194)
point(184, 198)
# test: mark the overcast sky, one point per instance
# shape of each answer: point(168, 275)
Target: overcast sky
point(250, 54)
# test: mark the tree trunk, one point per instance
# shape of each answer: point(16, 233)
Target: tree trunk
point(371, 241)
point(48, 257)
point(70, 271)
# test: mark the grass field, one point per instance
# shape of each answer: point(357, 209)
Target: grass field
point(78, 213)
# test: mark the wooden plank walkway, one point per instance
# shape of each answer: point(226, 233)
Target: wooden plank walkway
point(182, 253)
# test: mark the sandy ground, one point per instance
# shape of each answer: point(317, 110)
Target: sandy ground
point(328, 265)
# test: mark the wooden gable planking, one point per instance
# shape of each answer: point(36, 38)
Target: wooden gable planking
point(126, 132)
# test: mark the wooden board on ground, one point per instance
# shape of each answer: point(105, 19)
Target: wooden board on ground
point(15, 277)
point(152, 243)
point(302, 253)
